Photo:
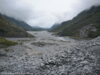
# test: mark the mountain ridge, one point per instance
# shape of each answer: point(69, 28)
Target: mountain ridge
point(19, 23)
point(74, 27)
point(10, 29)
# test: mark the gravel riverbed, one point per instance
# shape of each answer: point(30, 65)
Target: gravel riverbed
point(47, 54)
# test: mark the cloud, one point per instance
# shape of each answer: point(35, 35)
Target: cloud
point(44, 13)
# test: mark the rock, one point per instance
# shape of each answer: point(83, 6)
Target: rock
point(80, 57)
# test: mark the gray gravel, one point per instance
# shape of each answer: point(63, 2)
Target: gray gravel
point(47, 54)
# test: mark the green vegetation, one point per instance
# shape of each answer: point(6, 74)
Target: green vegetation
point(19, 23)
point(92, 34)
point(10, 29)
point(24, 25)
point(72, 27)
point(5, 42)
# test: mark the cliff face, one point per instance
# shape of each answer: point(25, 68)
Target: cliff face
point(86, 24)
point(87, 31)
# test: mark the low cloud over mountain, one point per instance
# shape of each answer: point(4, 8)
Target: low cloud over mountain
point(44, 13)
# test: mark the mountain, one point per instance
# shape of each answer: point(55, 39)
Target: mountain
point(84, 25)
point(10, 29)
point(36, 28)
point(20, 23)
point(24, 25)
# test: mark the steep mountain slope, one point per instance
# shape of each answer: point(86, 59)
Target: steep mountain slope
point(86, 24)
point(20, 23)
point(9, 29)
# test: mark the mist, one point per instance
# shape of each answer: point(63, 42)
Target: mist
point(44, 13)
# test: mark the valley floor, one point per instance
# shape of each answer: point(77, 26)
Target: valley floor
point(47, 54)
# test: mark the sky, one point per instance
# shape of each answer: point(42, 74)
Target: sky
point(44, 13)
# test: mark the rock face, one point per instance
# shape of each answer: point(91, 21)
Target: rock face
point(86, 30)
point(59, 57)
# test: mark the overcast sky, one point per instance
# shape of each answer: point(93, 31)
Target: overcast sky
point(44, 13)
